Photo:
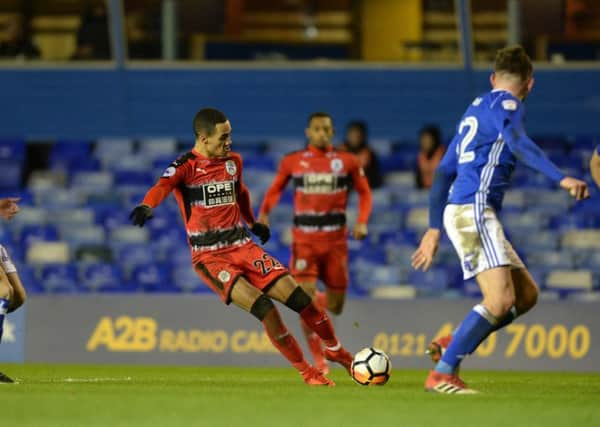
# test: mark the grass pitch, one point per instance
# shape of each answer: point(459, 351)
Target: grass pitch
point(66, 395)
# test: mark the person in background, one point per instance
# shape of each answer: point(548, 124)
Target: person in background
point(356, 142)
point(430, 154)
point(92, 36)
point(18, 44)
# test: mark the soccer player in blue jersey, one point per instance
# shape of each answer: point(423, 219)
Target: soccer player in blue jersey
point(466, 195)
point(595, 165)
point(12, 292)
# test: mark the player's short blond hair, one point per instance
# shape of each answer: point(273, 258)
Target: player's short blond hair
point(514, 60)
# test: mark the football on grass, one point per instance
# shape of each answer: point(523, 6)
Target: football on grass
point(371, 366)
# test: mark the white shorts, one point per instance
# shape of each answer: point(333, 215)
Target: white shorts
point(479, 239)
point(6, 262)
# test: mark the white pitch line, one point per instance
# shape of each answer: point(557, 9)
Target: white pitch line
point(84, 380)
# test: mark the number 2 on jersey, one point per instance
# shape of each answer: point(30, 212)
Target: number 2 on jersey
point(465, 156)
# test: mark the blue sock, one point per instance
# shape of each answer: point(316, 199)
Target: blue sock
point(3, 309)
point(478, 324)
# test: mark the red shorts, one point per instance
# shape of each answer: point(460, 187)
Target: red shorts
point(320, 260)
point(220, 269)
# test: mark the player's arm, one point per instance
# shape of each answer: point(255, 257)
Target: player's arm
point(527, 151)
point(595, 165)
point(438, 196)
point(275, 191)
point(245, 204)
point(174, 175)
point(365, 202)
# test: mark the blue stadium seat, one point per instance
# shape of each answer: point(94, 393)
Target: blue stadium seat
point(153, 277)
point(77, 235)
point(59, 278)
point(28, 278)
point(432, 282)
point(186, 280)
point(35, 233)
point(102, 277)
point(550, 259)
point(137, 178)
point(12, 150)
point(11, 174)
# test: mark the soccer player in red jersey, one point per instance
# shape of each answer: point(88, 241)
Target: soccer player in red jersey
point(213, 200)
point(322, 178)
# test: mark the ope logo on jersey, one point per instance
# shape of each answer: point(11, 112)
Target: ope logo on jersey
point(219, 193)
point(319, 183)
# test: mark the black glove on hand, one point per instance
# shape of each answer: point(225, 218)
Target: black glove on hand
point(262, 231)
point(140, 215)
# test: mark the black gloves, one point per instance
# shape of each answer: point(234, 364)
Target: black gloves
point(140, 215)
point(262, 231)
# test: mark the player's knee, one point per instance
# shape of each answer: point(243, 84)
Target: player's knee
point(261, 307)
point(17, 300)
point(298, 300)
point(335, 305)
point(500, 305)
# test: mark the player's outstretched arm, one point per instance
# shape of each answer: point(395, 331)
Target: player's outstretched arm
point(173, 176)
point(274, 192)
point(9, 207)
point(365, 202)
point(595, 166)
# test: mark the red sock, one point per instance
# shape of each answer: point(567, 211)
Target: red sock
point(283, 340)
point(314, 343)
point(320, 323)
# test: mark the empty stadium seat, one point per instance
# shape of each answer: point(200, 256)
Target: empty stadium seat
point(30, 234)
point(570, 280)
point(153, 277)
point(59, 278)
point(432, 282)
point(582, 239)
point(98, 277)
point(48, 253)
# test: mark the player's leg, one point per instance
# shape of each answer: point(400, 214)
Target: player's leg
point(223, 274)
point(333, 269)
point(304, 268)
point(288, 292)
point(5, 296)
point(252, 300)
point(18, 295)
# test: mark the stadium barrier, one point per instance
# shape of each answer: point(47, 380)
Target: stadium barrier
point(199, 330)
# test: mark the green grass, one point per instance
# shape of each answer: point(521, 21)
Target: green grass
point(163, 396)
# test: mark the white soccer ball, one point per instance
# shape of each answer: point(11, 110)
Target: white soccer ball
point(371, 366)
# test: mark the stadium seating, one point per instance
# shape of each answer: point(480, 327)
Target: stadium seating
point(74, 235)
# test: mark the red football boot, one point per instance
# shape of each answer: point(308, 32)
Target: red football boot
point(447, 384)
point(341, 356)
point(312, 376)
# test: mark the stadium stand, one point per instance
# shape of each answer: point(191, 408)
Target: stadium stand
point(73, 234)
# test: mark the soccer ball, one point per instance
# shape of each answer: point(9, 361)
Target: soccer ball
point(371, 366)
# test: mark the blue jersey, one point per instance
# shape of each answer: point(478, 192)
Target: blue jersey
point(480, 160)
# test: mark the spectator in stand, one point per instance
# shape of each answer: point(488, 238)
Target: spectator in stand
point(356, 142)
point(431, 152)
point(18, 44)
point(92, 36)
